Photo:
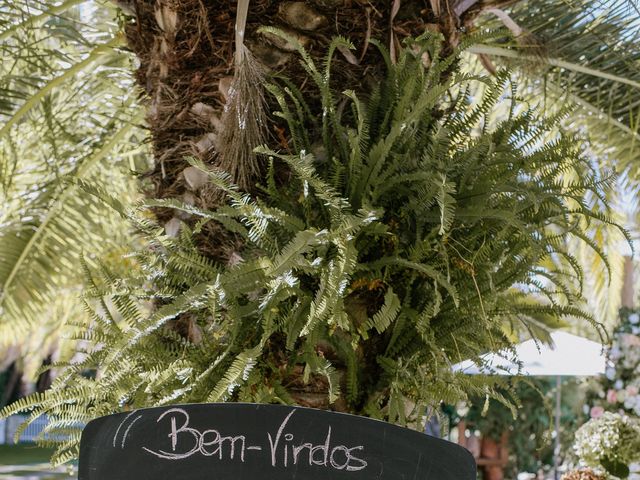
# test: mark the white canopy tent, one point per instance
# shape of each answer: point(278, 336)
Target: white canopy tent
point(567, 356)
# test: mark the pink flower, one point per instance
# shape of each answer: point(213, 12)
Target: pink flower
point(633, 391)
point(629, 340)
point(596, 412)
point(612, 396)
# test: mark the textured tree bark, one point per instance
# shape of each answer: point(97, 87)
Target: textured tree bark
point(186, 54)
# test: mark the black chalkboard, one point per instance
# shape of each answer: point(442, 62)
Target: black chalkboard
point(235, 441)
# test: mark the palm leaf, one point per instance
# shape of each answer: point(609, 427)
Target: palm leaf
point(585, 54)
point(58, 125)
point(591, 58)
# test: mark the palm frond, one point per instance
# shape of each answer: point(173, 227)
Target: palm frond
point(59, 125)
point(586, 53)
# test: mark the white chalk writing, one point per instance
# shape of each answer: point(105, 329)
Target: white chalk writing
point(183, 440)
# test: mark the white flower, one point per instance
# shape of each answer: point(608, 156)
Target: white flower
point(610, 373)
point(634, 318)
point(635, 330)
point(619, 385)
point(630, 402)
point(612, 435)
point(615, 353)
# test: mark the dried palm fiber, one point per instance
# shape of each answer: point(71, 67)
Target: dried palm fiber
point(526, 40)
point(535, 49)
point(244, 117)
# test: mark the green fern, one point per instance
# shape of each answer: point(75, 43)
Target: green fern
point(428, 235)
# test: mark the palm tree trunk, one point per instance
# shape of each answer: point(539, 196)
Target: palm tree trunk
point(186, 54)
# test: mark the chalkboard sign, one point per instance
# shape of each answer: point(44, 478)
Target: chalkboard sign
point(235, 441)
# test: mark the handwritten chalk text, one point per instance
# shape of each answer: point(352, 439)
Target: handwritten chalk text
point(283, 448)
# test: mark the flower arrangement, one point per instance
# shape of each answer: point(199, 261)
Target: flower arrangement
point(620, 389)
point(609, 443)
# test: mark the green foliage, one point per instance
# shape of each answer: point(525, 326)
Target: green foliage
point(59, 124)
point(530, 441)
point(584, 53)
point(615, 467)
point(403, 230)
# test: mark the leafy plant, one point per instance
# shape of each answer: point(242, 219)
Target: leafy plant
point(585, 53)
point(529, 430)
point(416, 234)
point(58, 124)
point(610, 442)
